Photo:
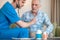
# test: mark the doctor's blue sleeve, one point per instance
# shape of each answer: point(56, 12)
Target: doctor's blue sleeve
point(9, 11)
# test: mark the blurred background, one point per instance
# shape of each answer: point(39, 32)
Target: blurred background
point(51, 7)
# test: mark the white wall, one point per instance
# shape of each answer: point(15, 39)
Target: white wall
point(46, 6)
point(4, 1)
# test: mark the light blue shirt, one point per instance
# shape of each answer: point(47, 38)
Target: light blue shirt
point(41, 20)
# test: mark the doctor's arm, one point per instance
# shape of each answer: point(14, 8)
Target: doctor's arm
point(25, 24)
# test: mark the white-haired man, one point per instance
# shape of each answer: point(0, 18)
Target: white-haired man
point(41, 17)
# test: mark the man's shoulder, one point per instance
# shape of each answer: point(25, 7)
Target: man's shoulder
point(42, 13)
point(27, 13)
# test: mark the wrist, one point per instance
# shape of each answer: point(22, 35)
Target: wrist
point(31, 22)
point(45, 35)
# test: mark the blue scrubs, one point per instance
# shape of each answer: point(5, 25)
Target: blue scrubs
point(9, 16)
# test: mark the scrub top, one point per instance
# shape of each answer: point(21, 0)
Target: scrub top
point(9, 16)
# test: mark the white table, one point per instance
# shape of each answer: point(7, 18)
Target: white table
point(54, 38)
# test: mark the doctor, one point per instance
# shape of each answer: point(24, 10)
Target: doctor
point(9, 16)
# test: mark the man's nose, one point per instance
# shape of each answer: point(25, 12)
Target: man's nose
point(34, 6)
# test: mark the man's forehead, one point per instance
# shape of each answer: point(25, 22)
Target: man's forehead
point(35, 1)
point(22, 0)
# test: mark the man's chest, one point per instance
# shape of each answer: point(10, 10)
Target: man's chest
point(39, 18)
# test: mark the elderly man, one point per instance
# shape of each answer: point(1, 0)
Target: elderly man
point(41, 19)
point(9, 16)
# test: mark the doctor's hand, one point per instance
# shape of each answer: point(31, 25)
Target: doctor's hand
point(33, 21)
point(45, 36)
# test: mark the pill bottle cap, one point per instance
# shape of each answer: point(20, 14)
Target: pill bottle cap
point(39, 32)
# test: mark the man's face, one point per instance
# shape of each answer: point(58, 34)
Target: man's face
point(35, 5)
point(21, 3)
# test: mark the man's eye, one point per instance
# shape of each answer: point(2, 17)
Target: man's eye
point(35, 4)
point(22, 2)
point(32, 4)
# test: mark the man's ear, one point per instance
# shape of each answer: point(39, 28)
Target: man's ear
point(39, 6)
point(16, 1)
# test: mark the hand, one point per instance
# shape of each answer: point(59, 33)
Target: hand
point(45, 36)
point(32, 34)
point(33, 20)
